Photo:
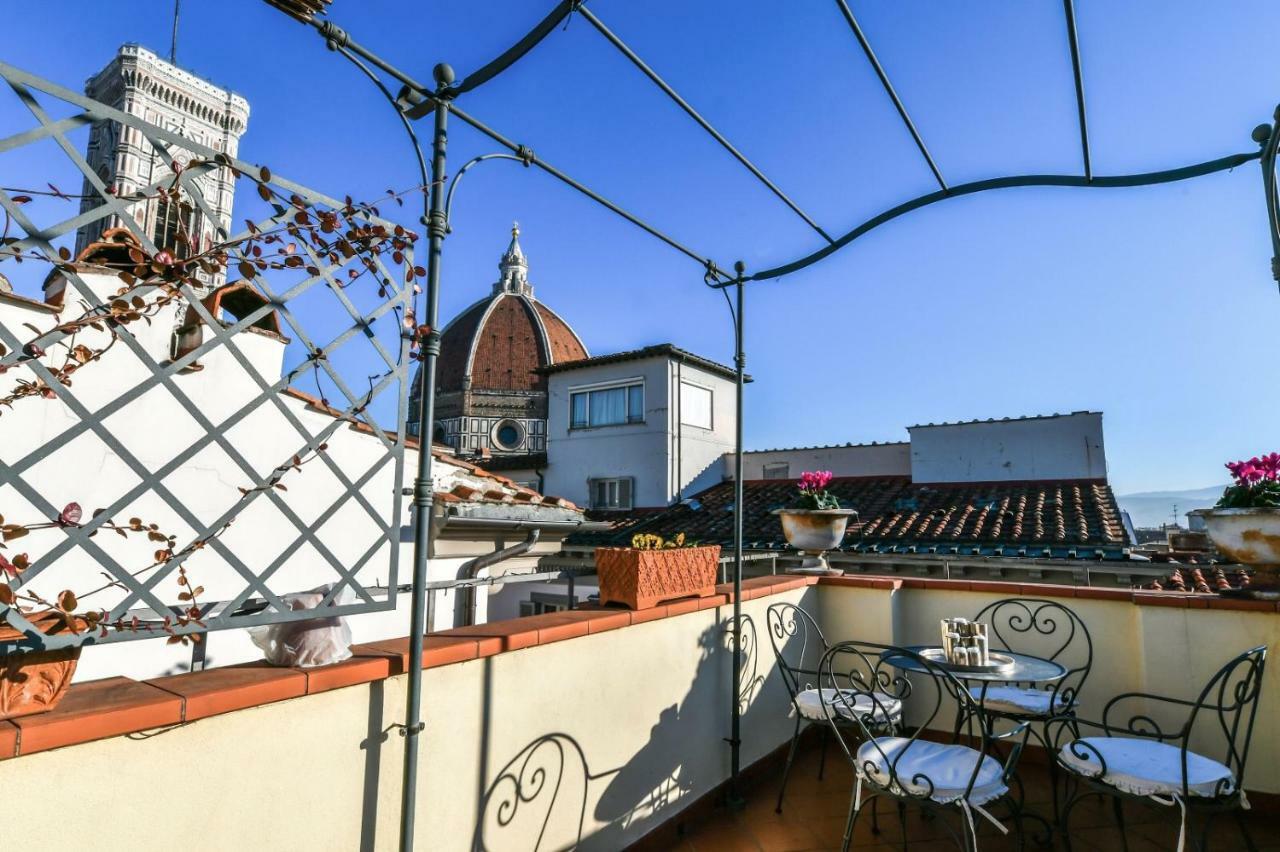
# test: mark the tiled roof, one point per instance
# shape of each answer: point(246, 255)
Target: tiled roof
point(466, 482)
point(1208, 580)
point(1050, 518)
point(666, 349)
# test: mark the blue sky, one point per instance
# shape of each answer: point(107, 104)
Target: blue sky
point(1153, 305)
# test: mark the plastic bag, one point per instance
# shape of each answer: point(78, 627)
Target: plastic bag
point(313, 642)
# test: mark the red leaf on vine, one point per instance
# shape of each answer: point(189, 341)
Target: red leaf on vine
point(7, 568)
point(70, 515)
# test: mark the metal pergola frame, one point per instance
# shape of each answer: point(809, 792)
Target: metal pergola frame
point(416, 101)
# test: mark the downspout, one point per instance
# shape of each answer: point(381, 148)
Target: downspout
point(471, 569)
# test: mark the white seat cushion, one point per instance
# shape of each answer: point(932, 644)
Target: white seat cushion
point(1146, 767)
point(1020, 700)
point(885, 708)
point(947, 767)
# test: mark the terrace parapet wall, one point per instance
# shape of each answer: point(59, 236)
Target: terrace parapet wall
point(628, 708)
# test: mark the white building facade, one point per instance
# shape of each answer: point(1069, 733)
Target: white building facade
point(640, 429)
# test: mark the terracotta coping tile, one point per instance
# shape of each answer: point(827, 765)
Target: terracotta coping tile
point(687, 605)
point(1160, 599)
point(213, 691)
point(438, 649)
point(361, 668)
point(1104, 594)
point(1240, 605)
point(512, 635)
point(8, 740)
point(888, 583)
point(653, 613)
point(609, 619)
point(996, 587)
point(954, 585)
point(98, 709)
point(714, 601)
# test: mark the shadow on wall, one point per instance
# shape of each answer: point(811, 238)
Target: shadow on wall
point(539, 800)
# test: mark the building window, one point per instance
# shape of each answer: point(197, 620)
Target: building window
point(607, 406)
point(695, 405)
point(777, 470)
point(508, 435)
point(611, 493)
point(174, 227)
point(541, 604)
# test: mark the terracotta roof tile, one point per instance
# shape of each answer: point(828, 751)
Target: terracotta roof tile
point(892, 510)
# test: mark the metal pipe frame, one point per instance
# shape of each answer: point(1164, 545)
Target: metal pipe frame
point(888, 88)
point(439, 103)
point(1069, 8)
point(702, 122)
point(422, 488)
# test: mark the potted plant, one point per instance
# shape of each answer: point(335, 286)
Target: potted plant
point(1245, 523)
point(815, 524)
point(653, 570)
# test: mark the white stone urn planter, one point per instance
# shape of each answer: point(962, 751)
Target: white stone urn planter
point(813, 532)
point(1250, 537)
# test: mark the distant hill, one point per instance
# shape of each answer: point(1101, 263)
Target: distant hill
point(1153, 508)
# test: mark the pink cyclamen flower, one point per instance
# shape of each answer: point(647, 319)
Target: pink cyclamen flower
point(1270, 465)
point(815, 480)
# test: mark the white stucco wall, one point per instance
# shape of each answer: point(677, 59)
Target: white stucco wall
point(850, 460)
point(156, 429)
point(1060, 446)
point(662, 455)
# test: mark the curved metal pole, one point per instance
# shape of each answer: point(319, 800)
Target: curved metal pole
point(1145, 179)
point(453, 183)
point(408, 128)
point(1269, 137)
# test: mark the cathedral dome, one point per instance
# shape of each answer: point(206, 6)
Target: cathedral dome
point(498, 343)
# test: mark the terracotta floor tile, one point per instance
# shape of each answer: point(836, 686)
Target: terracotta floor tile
point(819, 807)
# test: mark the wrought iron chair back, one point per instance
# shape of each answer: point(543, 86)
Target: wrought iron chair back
point(1046, 629)
point(1229, 701)
point(798, 645)
point(865, 678)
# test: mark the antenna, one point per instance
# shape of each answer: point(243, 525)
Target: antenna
point(1175, 514)
point(173, 44)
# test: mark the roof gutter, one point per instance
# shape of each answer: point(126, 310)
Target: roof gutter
point(511, 524)
point(474, 566)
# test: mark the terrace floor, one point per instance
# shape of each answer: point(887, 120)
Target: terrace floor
point(814, 812)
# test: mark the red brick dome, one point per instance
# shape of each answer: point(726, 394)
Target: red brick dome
point(499, 342)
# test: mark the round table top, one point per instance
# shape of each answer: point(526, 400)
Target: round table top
point(1026, 668)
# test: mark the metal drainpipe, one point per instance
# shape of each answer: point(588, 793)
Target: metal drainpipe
point(475, 566)
point(422, 494)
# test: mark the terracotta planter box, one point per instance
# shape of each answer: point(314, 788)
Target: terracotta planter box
point(34, 682)
point(641, 579)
